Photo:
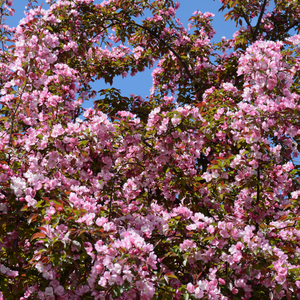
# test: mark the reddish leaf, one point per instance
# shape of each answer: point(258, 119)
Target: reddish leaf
point(27, 111)
point(37, 235)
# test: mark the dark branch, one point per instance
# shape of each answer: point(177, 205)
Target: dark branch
point(259, 19)
point(169, 47)
point(258, 179)
point(247, 20)
point(14, 115)
point(21, 270)
point(292, 25)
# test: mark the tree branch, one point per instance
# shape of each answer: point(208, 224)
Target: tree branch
point(247, 20)
point(259, 19)
point(12, 268)
point(185, 66)
point(291, 26)
point(169, 47)
point(257, 187)
point(14, 114)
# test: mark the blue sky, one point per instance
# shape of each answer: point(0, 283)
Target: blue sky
point(141, 83)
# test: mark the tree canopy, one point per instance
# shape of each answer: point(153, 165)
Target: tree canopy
point(190, 193)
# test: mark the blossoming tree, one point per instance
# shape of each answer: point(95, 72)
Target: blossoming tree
point(191, 193)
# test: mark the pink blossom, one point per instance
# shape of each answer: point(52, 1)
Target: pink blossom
point(17, 185)
point(59, 290)
point(49, 291)
point(109, 226)
point(101, 221)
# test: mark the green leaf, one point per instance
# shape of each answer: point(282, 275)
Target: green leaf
point(248, 269)
point(214, 166)
point(209, 238)
point(39, 204)
point(117, 291)
point(186, 296)
point(171, 275)
point(166, 169)
point(294, 270)
point(49, 28)
point(82, 143)
point(278, 288)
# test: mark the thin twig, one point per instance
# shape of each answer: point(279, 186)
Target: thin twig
point(257, 191)
point(291, 26)
point(14, 114)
